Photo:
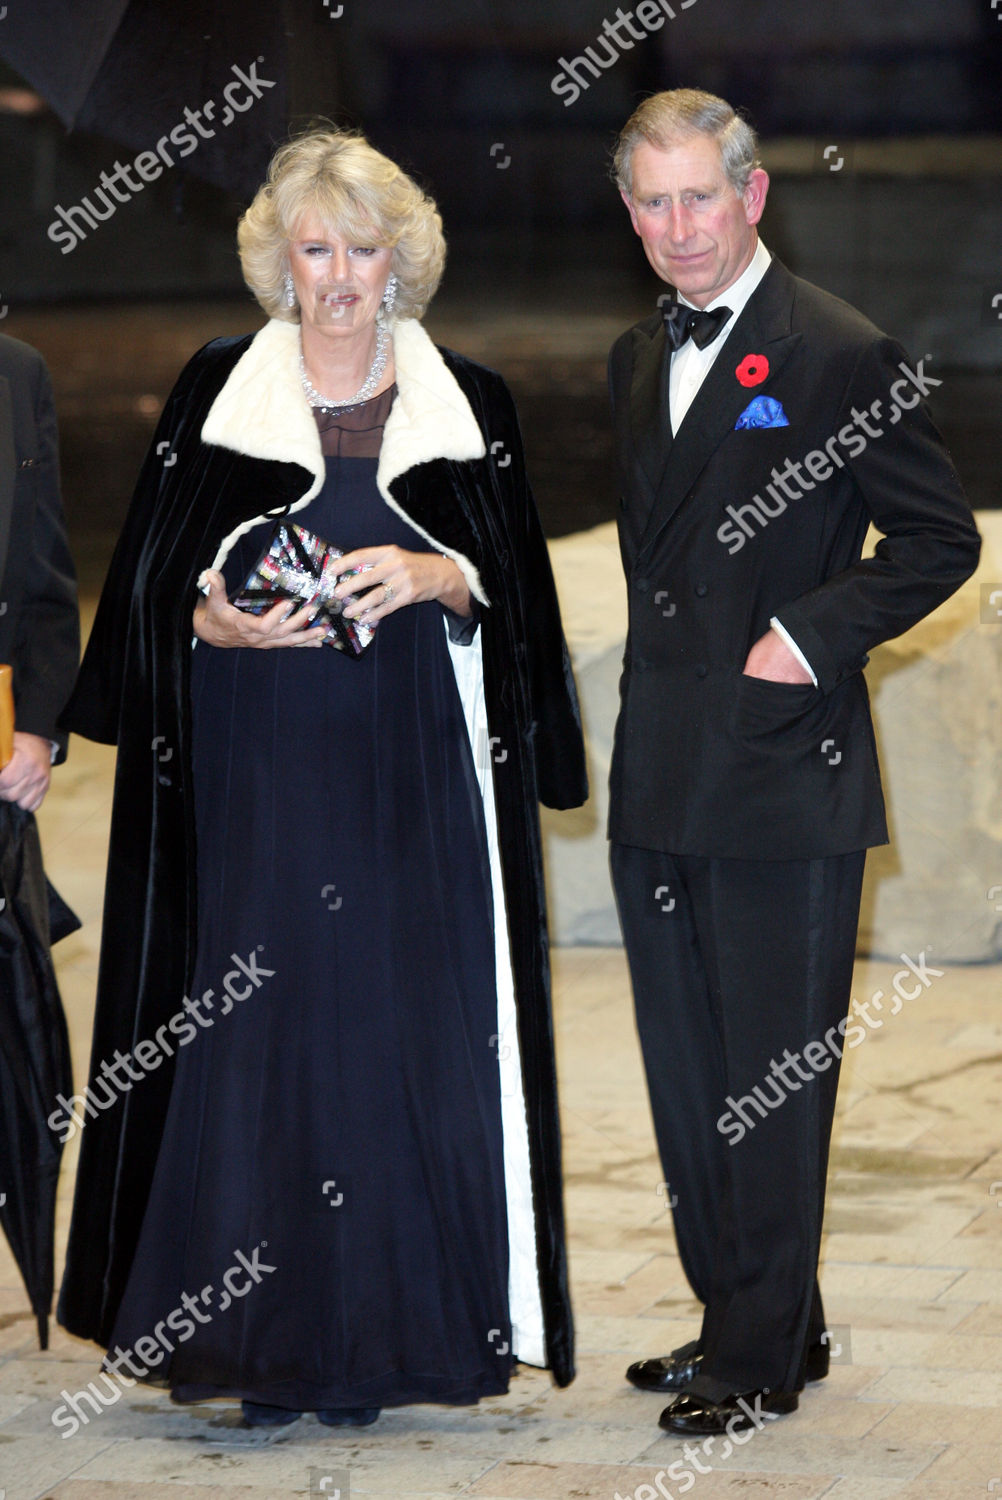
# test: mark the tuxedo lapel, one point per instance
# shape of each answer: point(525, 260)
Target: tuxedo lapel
point(763, 328)
point(651, 429)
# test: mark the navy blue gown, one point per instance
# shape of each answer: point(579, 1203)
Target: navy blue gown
point(339, 1126)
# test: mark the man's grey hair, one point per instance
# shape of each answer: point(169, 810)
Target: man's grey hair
point(667, 119)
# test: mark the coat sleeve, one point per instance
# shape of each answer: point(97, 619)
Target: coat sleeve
point(47, 646)
point(558, 741)
point(911, 491)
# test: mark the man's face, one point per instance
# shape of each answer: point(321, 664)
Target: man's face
point(698, 233)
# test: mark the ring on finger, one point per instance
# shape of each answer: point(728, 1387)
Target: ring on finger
point(387, 593)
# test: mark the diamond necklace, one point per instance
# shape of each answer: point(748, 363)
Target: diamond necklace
point(373, 378)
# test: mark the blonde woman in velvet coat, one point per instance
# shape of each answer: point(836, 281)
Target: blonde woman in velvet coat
point(324, 907)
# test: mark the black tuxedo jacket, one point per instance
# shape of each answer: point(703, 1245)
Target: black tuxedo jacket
point(39, 625)
point(706, 760)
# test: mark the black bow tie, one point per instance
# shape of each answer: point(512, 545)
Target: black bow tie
point(683, 322)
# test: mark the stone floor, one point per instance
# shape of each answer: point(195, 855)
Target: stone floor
point(912, 1276)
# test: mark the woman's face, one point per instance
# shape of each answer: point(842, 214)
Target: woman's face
point(339, 284)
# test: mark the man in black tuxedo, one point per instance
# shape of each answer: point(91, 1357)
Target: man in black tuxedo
point(760, 424)
point(39, 624)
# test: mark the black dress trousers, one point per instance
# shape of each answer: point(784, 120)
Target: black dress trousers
point(736, 966)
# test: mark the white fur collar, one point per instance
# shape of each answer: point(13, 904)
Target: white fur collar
point(261, 412)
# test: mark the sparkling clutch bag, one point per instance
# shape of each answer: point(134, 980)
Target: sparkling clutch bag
point(303, 568)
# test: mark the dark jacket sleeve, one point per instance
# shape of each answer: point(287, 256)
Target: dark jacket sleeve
point(557, 740)
point(47, 639)
point(911, 490)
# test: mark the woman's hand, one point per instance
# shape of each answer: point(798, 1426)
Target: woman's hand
point(397, 578)
point(219, 623)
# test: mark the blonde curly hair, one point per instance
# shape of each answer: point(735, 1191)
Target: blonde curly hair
point(360, 195)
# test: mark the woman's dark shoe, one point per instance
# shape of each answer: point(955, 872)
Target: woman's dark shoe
point(349, 1416)
point(256, 1414)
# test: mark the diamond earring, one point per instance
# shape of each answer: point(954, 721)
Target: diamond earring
point(290, 290)
point(390, 294)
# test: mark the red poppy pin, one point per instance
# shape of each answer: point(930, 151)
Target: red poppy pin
point(753, 369)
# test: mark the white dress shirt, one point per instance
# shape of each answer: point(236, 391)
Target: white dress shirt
point(690, 366)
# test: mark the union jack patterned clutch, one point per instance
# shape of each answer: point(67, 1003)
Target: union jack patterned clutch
point(301, 567)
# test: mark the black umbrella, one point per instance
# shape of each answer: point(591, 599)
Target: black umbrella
point(34, 1055)
point(196, 85)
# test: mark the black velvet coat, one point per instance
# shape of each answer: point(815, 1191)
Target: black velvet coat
point(133, 690)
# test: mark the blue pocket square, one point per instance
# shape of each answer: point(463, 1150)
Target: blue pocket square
point(762, 411)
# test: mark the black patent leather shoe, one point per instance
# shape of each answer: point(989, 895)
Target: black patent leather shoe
point(692, 1416)
point(673, 1372)
point(666, 1372)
